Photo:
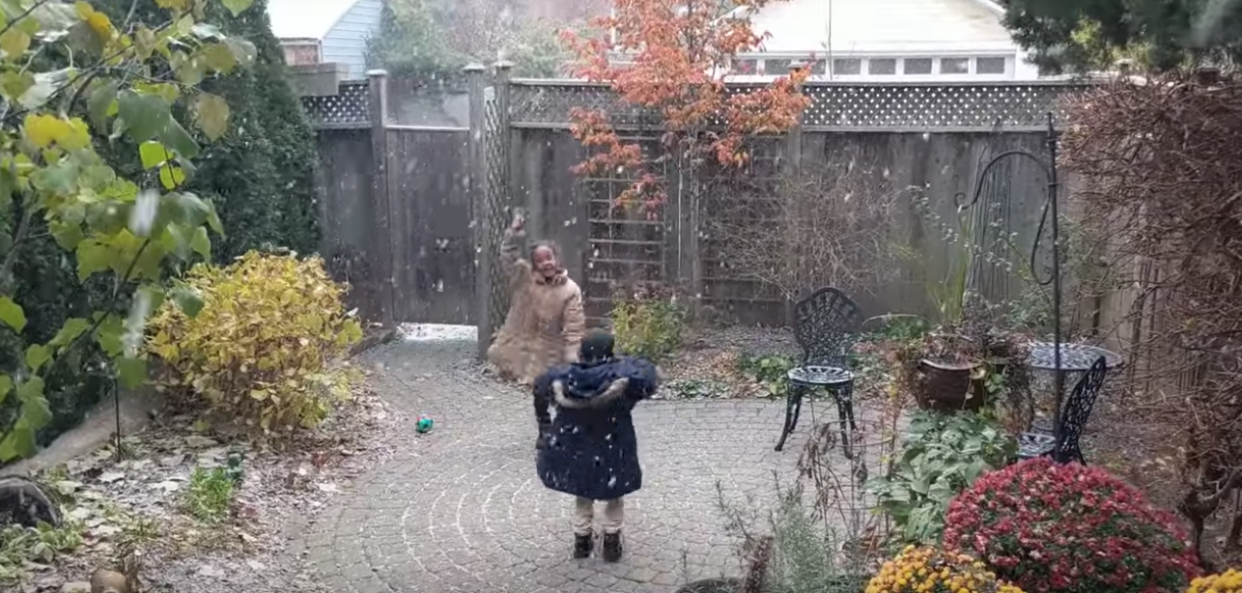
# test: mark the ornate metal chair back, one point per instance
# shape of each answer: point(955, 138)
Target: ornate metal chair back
point(825, 325)
point(1077, 411)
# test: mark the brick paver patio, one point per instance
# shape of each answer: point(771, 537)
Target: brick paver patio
point(461, 508)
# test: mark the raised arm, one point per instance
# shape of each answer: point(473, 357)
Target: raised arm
point(511, 248)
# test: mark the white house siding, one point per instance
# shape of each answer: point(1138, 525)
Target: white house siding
point(870, 25)
point(305, 19)
point(888, 31)
point(346, 42)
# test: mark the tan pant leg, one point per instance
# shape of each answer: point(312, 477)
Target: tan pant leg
point(614, 515)
point(584, 516)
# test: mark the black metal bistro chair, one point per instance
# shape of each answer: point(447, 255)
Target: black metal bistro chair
point(1073, 420)
point(825, 325)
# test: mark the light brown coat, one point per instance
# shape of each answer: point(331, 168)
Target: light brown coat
point(545, 324)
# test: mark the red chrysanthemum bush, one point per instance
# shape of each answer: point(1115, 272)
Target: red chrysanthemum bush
point(1051, 528)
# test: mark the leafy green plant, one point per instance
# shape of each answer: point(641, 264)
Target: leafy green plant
point(770, 371)
point(942, 456)
point(72, 80)
point(262, 177)
point(648, 327)
point(948, 294)
point(210, 493)
point(698, 389)
point(899, 328)
point(42, 544)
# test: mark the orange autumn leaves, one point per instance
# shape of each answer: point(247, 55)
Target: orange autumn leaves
point(670, 56)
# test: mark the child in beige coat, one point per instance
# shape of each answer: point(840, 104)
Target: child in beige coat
point(546, 323)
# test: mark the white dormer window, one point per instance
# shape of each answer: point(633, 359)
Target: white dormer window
point(955, 65)
point(745, 67)
point(777, 67)
point(990, 66)
point(882, 66)
point(846, 67)
point(878, 68)
point(916, 66)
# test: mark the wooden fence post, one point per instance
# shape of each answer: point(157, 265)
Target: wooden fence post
point(481, 226)
point(382, 246)
point(792, 171)
point(503, 69)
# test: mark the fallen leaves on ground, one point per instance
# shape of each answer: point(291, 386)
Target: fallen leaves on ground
point(708, 366)
point(139, 502)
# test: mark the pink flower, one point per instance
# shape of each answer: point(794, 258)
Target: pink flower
point(1055, 528)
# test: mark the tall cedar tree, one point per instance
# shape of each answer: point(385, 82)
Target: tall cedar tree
point(670, 57)
point(261, 174)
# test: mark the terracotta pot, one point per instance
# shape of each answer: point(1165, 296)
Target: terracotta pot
point(946, 386)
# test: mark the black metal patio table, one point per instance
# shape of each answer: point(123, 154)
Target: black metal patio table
point(1076, 359)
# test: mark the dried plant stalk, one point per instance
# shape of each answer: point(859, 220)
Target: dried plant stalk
point(1163, 183)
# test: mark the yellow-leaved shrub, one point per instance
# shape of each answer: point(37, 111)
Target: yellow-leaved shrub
point(261, 349)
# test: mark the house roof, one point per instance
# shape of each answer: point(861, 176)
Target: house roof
point(870, 26)
point(306, 19)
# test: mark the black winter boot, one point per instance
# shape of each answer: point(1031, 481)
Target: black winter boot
point(583, 544)
point(612, 547)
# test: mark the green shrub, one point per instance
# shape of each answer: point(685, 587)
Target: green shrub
point(942, 456)
point(263, 345)
point(649, 327)
point(261, 176)
point(210, 494)
point(21, 545)
point(770, 371)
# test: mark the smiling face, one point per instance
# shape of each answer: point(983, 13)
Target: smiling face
point(543, 260)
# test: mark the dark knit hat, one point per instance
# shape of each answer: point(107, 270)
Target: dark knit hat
point(597, 348)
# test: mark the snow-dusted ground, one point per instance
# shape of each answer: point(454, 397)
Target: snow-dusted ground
point(437, 332)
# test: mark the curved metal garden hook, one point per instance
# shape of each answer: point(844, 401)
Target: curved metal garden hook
point(1049, 217)
point(1049, 172)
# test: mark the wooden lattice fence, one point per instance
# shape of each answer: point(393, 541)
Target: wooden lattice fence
point(930, 136)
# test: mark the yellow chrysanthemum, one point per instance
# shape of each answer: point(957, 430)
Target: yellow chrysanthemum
point(1229, 581)
point(927, 570)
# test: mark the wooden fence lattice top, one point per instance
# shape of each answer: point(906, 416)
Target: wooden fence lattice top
point(349, 108)
point(860, 106)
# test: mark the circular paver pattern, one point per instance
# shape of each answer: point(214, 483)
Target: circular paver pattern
point(461, 508)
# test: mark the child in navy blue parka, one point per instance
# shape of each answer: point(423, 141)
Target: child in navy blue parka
point(590, 449)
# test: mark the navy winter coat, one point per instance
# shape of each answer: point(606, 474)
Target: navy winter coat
point(592, 450)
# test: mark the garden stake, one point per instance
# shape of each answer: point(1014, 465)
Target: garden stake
point(116, 400)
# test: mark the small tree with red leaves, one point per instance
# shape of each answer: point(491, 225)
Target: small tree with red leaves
point(669, 57)
point(1052, 528)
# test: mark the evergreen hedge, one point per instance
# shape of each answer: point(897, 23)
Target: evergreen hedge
point(261, 176)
